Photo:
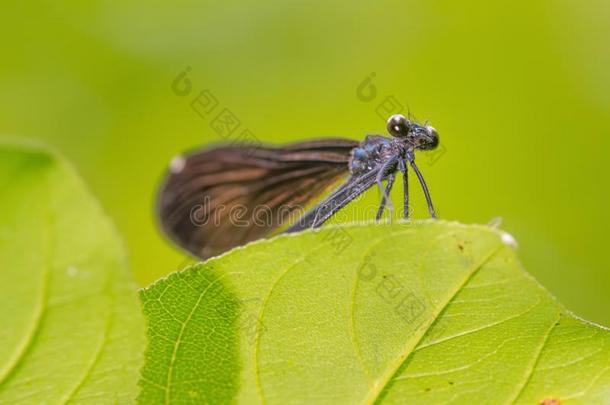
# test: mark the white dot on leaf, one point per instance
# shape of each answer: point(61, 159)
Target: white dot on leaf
point(508, 239)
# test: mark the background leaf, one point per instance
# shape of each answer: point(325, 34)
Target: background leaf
point(71, 328)
point(434, 312)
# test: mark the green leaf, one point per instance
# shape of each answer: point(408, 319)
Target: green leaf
point(434, 312)
point(71, 328)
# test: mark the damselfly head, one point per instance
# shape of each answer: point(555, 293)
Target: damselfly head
point(423, 137)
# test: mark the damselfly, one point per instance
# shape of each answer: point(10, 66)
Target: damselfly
point(221, 197)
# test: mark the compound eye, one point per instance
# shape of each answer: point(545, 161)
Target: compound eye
point(429, 139)
point(433, 133)
point(398, 125)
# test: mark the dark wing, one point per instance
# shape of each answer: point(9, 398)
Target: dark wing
point(218, 198)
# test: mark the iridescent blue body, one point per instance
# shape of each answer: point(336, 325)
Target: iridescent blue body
point(375, 159)
point(370, 153)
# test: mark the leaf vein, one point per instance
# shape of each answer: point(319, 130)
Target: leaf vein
point(386, 379)
point(256, 345)
point(530, 370)
point(170, 371)
point(26, 343)
point(490, 325)
point(352, 320)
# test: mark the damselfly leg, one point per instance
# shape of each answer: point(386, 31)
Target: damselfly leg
point(402, 166)
point(420, 177)
point(387, 169)
point(385, 197)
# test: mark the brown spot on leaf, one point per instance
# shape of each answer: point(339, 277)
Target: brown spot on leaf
point(550, 401)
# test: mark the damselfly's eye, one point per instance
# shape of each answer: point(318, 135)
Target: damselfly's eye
point(398, 125)
point(432, 138)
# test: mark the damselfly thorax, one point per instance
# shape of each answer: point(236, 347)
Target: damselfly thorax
point(221, 197)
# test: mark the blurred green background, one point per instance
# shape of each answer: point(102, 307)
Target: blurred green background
point(519, 91)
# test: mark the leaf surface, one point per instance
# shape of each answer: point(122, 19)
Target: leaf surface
point(431, 312)
point(71, 329)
